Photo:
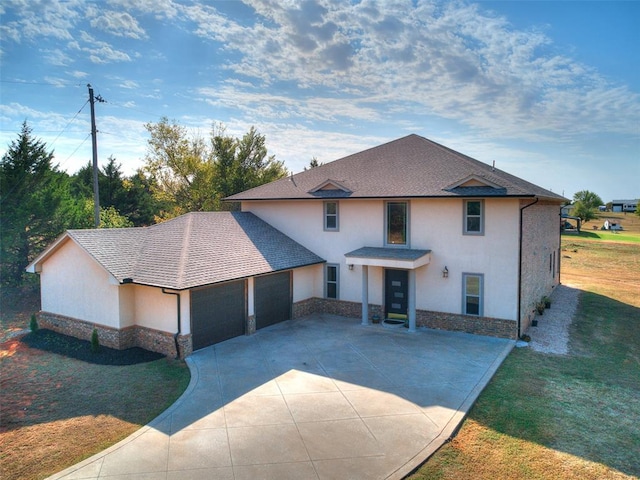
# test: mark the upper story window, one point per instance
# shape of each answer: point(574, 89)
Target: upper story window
point(397, 223)
point(331, 216)
point(472, 295)
point(474, 217)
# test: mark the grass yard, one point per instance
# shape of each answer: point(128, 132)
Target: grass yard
point(57, 409)
point(571, 417)
point(630, 222)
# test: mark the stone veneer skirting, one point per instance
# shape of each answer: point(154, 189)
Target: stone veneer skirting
point(120, 339)
point(493, 327)
point(163, 342)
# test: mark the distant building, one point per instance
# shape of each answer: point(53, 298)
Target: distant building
point(624, 206)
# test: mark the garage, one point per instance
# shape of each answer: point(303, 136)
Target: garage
point(218, 313)
point(272, 299)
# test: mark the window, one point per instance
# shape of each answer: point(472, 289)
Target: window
point(474, 217)
point(331, 281)
point(331, 216)
point(472, 302)
point(396, 223)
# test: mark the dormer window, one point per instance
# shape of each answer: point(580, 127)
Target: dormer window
point(331, 216)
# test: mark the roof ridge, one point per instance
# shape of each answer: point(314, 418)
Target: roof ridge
point(184, 249)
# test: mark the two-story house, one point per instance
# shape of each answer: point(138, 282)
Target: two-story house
point(409, 231)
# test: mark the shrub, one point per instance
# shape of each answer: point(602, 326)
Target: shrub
point(95, 342)
point(33, 324)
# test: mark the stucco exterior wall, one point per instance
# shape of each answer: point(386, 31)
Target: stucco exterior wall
point(74, 285)
point(306, 284)
point(437, 224)
point(157, 310)
point(434, 224)
point(540, 255)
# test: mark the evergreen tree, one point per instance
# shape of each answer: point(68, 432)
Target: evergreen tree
point(35, 204)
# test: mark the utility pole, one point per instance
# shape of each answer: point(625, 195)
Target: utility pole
point(94, 141)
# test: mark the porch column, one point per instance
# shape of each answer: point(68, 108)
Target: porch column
point(365, 295)
point(412, 301)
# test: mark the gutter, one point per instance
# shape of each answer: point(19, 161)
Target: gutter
point(520, 266)
point(177, 334)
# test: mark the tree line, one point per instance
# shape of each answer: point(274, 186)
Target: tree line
point(181, 172)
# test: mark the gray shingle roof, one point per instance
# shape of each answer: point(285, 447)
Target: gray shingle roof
point(411, 166)
point(387, 253)
point(195, 249)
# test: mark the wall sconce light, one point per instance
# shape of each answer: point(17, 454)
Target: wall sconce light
point(445, 272)
point(351, 266)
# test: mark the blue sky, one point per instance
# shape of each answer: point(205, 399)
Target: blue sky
point(548, 90)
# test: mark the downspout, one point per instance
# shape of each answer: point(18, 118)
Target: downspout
point(520, 266)
point(175, 337)
point(559, 244)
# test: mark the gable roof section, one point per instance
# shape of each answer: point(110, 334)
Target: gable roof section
point(409, 167)
point(192, 250)
point(330, 189)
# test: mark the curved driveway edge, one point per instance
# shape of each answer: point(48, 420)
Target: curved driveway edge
point(320, 398)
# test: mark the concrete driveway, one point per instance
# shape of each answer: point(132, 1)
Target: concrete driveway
point(317, 398)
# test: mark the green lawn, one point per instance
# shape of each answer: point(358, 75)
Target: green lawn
point(627, 237)
point(572, 417)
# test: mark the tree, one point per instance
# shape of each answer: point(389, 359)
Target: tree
point(586, 205)
point(131, 197)
point(187, 174)
point(35, 201)
point(314, 163)
point(588, 199)
point(109, 217)
point(241, 164)
point(179, 168)
point(140, 205)
point(111, 185)
point(583, 212)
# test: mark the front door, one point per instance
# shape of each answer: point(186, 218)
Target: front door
point(396, 288)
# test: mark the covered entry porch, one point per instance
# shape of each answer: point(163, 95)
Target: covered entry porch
point(390, 259)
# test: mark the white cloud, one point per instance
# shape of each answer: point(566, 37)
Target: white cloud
point(120, 24)
point(161, 9)
point(78, 74)
point(100, 51)
point(129, 84)
point(455, 61)
point(57, 57)
point(41, 18)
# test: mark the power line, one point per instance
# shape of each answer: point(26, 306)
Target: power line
point(74, 117)
point(77, 148)
point(51, 84)
point(135, 109)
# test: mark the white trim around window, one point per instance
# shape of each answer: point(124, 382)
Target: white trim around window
point(332, 281)
point(473, 294)
point(473, 217)
point(331, 217)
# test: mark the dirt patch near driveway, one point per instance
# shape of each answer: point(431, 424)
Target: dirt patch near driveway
point(60, 402)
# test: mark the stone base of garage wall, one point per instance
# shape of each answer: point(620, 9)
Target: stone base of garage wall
point(119, 339)
point(493, 327)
